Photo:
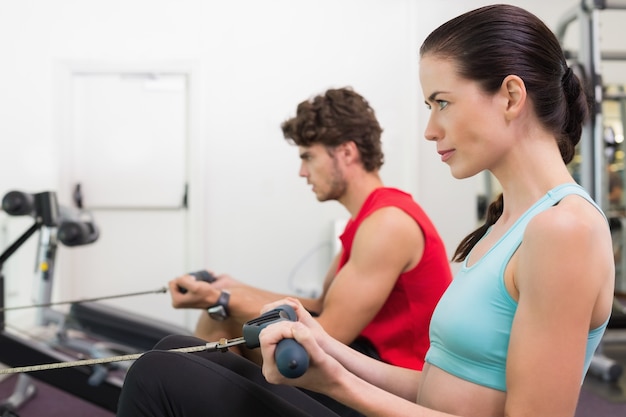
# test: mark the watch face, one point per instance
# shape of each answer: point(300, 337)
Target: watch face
point(217, 313)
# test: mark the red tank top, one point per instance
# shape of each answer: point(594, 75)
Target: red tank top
point(399, 331)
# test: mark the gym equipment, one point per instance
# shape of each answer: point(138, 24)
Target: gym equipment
point(90, 329)
point(45, 210)
point(43, 207)
point(110, 337)
point(200, 276)
point(77, 228)
point(586, 63)
point(602, 366)
point(291, 359)
point(85, 300)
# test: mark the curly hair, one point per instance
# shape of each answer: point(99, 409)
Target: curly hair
point(334, 118)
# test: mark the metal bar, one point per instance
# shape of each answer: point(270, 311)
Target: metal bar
point(600, 180)
point(568, 17)
point(616, 97)
point(604, 55)
point(15, 245)
point(135, 208)
point(609, 4)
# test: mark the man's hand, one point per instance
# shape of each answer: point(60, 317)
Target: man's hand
point(188, 292)
point(226, 282)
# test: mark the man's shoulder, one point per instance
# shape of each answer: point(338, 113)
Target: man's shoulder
point(388, 196)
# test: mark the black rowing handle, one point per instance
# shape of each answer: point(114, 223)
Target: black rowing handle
point(203, 275)
point(291, 358)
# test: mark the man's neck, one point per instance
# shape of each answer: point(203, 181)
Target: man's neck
point(358, 190)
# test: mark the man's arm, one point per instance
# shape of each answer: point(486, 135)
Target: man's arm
point(245, 301)
point(387, 243)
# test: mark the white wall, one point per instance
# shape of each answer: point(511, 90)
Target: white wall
point(256, 61)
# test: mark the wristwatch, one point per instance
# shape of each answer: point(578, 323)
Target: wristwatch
point(219, 311)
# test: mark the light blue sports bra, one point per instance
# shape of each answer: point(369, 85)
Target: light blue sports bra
point(471, 325)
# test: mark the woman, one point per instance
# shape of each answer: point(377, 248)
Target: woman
point(514, 333)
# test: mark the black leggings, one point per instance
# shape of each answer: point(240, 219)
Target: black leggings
point(174, 384)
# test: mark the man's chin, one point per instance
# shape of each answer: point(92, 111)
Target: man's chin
point(321, 197)
point(326, 197)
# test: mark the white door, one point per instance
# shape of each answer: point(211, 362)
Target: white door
point(126, 161)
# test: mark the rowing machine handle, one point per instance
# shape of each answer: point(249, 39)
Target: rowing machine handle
point(203, 275)
point(291, 358)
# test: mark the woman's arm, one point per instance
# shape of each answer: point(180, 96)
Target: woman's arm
point(400, 381)
point(561, 274)
point(327, 375)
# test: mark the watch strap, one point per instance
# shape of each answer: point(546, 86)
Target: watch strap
point(219, 310)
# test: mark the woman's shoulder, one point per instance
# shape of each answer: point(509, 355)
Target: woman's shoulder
point(574, 215)
point(571, 236)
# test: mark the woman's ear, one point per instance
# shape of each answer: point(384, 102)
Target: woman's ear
point(513, 90)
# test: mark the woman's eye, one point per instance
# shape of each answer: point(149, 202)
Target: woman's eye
point(441, 103)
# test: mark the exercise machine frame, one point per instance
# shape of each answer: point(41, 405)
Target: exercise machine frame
point(587, 64)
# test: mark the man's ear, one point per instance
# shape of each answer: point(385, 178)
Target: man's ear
point(513, 90)
point(349, 152)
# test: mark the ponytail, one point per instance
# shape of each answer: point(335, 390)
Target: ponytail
point(493, 214)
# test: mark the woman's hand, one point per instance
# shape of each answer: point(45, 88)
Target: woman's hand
point(323, 368)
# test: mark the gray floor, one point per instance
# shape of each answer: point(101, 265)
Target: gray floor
point(606, 399)
point(49, 401)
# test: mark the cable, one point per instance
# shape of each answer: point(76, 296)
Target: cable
point(85, 300)
point(291, 281)
point(96, 361)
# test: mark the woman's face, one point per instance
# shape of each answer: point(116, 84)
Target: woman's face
point(466, 123)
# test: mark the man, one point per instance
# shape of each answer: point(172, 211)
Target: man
point(381, 289)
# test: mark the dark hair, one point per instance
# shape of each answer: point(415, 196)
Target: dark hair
point(336, 117)
point(492, 42)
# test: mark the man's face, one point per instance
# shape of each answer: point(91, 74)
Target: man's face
point(322, 170)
